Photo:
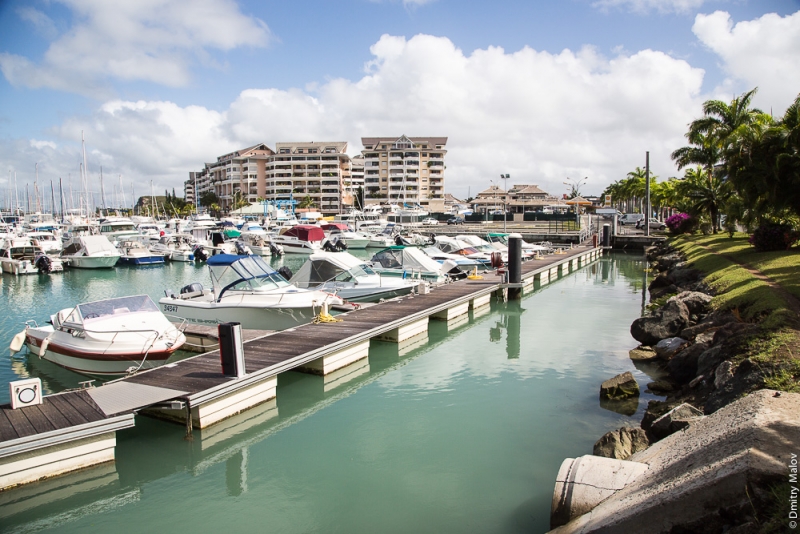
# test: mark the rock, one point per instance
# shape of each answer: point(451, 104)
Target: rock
point(668, 261)
point(655, 409)
point(682, 367)
point(696, 301)
point(733, 334)
point(723, 374)
point(621, 443)
point(748, 377)
point(660, 386)
point(627, 407)
point(684, 277)
point(697, 380)
point(705, 337)
point(660, 292)
point(665, 322)
point(666, 348)
point(622, 386)
point(674, 420)
point(709, 359)
point(642, 353)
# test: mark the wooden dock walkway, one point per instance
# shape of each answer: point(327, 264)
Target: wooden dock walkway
point(195, 392)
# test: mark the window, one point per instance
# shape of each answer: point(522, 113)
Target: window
point(285, 151)
point(312, 150)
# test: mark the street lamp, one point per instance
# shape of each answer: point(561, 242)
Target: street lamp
point(505, 177)
point(575, 188)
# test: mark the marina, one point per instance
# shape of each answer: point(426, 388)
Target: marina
point(196, 391)
point(303, 399)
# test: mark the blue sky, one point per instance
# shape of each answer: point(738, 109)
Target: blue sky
point(544, 91)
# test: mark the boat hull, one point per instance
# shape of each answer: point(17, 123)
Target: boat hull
point(91, 262)
point(19, 267)
point(95, 362)
point(142, 260)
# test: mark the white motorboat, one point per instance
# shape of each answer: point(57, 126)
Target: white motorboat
point(260, 244)
point(462, 262)
point(107, 337)
point(349, 278)
point(90, 252)
point(118, 229)
point(301, 239)
point(134, 252)
point(47, 241)
point(174, 247)
point(411, 262)
point(19, 255)
point(527, 248)
point(248, 291)
point(452, 245)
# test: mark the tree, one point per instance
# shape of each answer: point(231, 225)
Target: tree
point(208, 198)
point(704, 192)
point(306, 203)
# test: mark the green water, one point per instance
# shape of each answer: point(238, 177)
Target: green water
point(462, 433)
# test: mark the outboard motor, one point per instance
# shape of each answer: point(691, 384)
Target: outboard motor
point(285, 272)
point(400, 240)
point(340, 245)
point(327, 246)
point(241, 249)
point(200, 253)
point(192, 288)
point(43, 264)
point(275, 250)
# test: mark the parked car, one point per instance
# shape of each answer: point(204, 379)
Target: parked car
point(631, 218)
point(455, 220)
point(430, 221)
point(654, 224)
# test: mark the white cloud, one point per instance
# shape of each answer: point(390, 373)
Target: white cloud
point(43, 24)
point(150, 40)
point(764, 52)
point(645, 6)
point(42, 144)
point(538, 116)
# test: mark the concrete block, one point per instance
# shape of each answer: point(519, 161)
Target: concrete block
point(450, 313)
point(404, 332)
point(336, 360)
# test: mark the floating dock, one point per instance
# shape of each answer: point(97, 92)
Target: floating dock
point(77, 429)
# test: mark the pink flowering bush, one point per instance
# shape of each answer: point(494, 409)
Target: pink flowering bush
point(681, 223)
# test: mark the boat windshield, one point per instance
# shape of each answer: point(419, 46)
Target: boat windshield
point(105, 308)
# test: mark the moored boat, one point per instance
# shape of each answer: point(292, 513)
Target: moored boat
point(106, 337)
point(90, 252)
point(248, 291)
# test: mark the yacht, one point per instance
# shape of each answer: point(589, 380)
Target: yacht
point(134, 252)
point(245, 289)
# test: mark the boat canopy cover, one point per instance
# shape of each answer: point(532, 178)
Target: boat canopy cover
point(230, 271)
point(305, 232)
point(335, 226)
point(405, 258)
point(96, 244)
point(326, 266)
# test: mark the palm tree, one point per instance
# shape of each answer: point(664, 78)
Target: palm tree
point(307, 202)
point(704, 192)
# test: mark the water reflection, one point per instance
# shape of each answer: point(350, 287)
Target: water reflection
point(510, 320)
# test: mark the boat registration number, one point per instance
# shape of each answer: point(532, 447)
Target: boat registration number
point(170, 308)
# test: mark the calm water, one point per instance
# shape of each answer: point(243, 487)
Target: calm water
point(462, 433)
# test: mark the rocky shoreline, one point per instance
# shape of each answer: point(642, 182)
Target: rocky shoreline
point(702, 351)
point(716, 453)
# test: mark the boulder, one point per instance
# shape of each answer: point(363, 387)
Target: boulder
point(665, 322)
point(683, 365)
point(709, 359)
point(666, 348)
point(696, 301)
point(710, 323)
point(655, 409)
point(674, 420)
point(621, 443)
point(723, 374)
point(667, 261)
point(659, 292)
point(642, 353)
point(684, 276)
point(661, 386)
point(622, 386)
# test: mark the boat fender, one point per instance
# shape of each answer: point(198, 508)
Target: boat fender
point(17, 342)
point(43, 347)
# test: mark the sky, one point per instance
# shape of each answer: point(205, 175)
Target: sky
point(548, 92)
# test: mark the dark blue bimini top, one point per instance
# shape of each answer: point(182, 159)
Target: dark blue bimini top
point(223, 259)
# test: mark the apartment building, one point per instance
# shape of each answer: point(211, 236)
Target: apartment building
point(406, 170)
point(317, 170)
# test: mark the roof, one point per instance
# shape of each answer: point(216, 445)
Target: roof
point(372, 141)
point(527, 190)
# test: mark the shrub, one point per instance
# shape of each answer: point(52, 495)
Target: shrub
point(680, 223)
point(772, 236)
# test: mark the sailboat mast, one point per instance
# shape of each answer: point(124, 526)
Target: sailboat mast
point(102, 190)
point(52, 200)
point(85, 174)
point(61, 196)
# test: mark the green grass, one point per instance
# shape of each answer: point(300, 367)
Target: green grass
point(776, 346)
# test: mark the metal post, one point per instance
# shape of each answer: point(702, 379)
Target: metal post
point(231, 352)
point(514, 265)
point(606, 235)
point(647, 193)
